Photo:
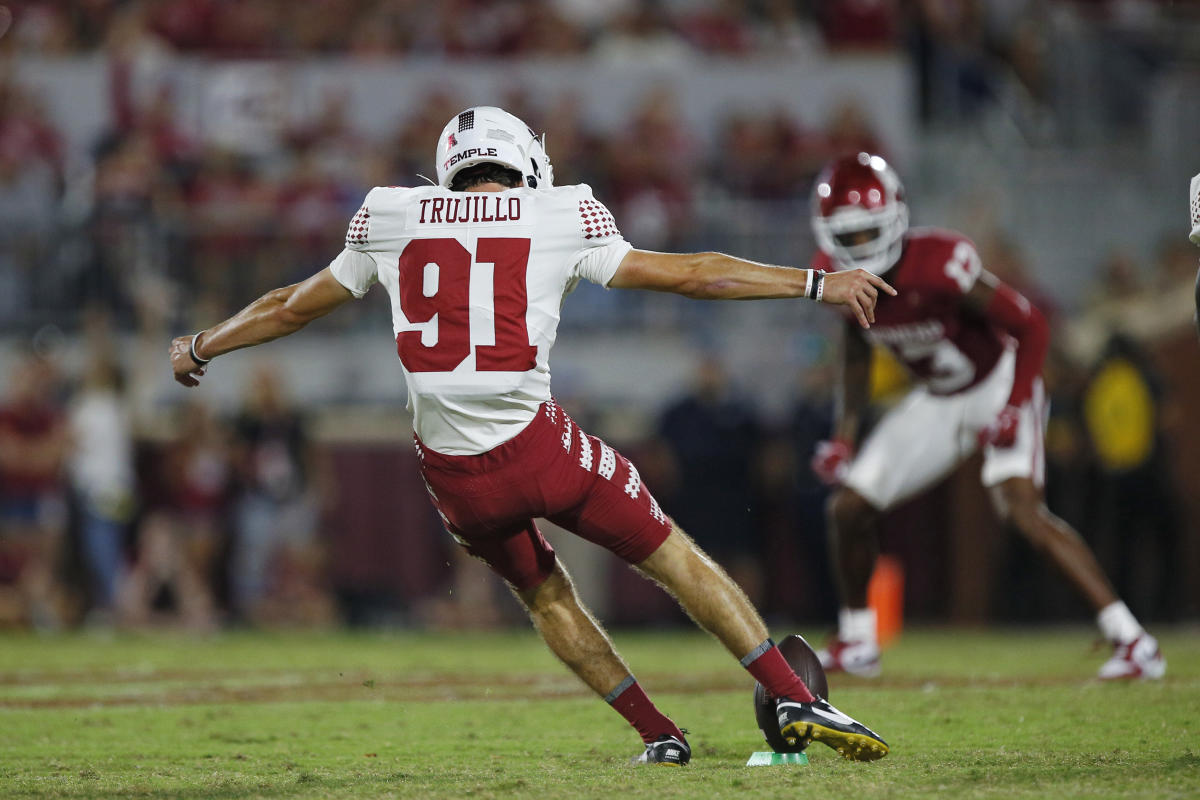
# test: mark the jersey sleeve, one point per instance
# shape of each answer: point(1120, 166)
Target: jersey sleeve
point(602, 245)
point(354, 270)
point(358, 232)
point(354, 267)
point(953, 265)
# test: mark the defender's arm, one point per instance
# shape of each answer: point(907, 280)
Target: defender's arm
point(832, 457)
point(716, 276)
point(854, 387)
point(277, 313)
point(1009, 310)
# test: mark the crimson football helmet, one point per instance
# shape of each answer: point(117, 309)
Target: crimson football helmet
point(859, 215)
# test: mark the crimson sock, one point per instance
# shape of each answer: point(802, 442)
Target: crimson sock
point(632, 703)
point(769, 668)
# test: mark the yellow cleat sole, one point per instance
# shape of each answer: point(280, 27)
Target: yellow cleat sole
point(850, 746)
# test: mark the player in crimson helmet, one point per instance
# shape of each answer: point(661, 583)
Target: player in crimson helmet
point(476, 269)
point(974, 347)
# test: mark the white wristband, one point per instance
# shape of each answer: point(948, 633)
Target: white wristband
point(200, 362)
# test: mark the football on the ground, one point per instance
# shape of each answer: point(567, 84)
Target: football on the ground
point(803, 659)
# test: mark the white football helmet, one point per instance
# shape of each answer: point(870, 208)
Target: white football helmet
point(858, 213)
point(488, 134)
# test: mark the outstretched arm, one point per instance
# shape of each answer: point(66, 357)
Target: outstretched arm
point(716, 276)
point(833, 456)
point(277, 313)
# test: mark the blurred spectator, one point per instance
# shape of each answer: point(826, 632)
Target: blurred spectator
point(650, 167)
point(859, 23)
point(277, 568)
point(34, 440)
point(1133, 300)
point(777, 157)
point(126, 223)
point(180, 540)
point(719, 27)
point(1002, 256)
point(714, 438)
point(101, 466)
point(954, 79)
point(1134, 507)
point(645, 35)
point(810, 421)
point(848, 131)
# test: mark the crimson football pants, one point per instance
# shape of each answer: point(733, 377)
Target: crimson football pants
point(552, 469)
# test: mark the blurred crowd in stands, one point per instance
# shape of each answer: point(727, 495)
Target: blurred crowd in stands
point(217, 522)
point(110, 516)
point(155, 206)
point(525, 28)
point(159, 213)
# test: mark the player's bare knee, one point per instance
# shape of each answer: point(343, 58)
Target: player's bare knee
point(549, 594)
point(670, 556)
point(1016, 503)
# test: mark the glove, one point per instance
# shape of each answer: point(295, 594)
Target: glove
point(1003, 430)
point(831, 460)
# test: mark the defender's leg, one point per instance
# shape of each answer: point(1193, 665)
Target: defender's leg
point(913, 446)
point(1019, 503)
point(853, 544)
point(853, 549)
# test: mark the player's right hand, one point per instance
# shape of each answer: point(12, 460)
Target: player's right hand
point(1002, 432)
point(831, 460)
point(187, 371)
point(857, 289)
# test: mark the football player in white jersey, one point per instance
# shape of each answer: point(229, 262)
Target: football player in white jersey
point(476, 269)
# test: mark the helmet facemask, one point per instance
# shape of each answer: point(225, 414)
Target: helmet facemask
point(860, 238)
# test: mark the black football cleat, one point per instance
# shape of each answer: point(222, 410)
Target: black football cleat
point(818, 721)
point(667, 751)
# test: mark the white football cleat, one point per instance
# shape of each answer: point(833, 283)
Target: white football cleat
point(853, 658)
point(1140, 658)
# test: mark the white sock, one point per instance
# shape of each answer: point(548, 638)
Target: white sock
point(856, 624)
point(1118, 624)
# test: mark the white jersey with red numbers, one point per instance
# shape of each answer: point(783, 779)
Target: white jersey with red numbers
point(476, 281)
point(943, 345)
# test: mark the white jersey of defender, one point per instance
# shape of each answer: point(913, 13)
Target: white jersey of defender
point(477, 281)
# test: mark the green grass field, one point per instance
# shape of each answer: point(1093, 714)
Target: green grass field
point(998, 714)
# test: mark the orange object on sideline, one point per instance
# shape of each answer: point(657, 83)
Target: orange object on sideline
point(885, 594)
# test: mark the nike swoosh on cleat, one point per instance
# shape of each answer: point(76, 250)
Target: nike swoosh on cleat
point(833, 715)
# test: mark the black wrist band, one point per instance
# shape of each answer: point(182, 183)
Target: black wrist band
point(200, 362)
point(819, 292)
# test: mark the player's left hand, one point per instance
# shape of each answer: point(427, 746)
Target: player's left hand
point(1003, 430)
point(832, 460)
point(187, 371)
point(857, 289)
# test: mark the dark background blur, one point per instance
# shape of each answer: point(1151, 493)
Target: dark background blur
point(162, 163)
